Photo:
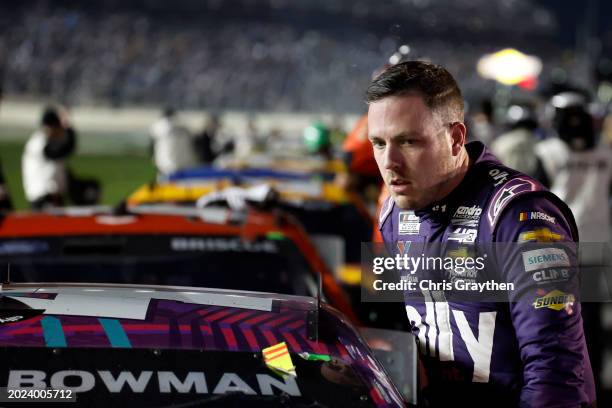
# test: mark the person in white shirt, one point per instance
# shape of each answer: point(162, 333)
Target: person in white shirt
point(579, 167)
point(45, 178)
point(516, 147)
point(173, 147)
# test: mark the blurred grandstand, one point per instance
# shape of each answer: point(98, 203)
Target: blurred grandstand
point(254, 55)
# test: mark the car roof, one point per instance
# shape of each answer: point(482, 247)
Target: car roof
point(151, 316)
point(158, 219)
point(189, 190)
point(87, 317)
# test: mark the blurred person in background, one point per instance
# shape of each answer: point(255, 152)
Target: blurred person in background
point(173, 144)
point(253, 134)
point(357, 154)
point(317, 140)
point(363, 175)
point(579, 167)
point(45, 175)
point(336, 130)
point(246, 143)
point(6, 204)
point(206, 143)
point(482, 124)
point(516, 148)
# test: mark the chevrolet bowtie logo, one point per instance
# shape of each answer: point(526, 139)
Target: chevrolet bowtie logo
point(540, 235)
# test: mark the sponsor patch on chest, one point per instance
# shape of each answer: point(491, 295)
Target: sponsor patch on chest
point(467, 216)
point(409, 223)
point(463, 235)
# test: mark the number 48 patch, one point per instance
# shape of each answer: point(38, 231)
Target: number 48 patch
point(463, 235)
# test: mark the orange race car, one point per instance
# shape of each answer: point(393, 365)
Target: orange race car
point(167, 245)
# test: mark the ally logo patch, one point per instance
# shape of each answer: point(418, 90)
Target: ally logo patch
point(403, 247)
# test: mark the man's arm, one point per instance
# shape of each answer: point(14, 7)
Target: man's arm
point(542, 263)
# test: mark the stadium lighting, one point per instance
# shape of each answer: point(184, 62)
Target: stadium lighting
point(509, 66)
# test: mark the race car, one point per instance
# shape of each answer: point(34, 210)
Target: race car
point(322, 207)
point(248, 250)
point(336, 221)
point(137, 345)
point(312, 166)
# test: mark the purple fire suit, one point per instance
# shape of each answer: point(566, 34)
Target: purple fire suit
point(529, 350)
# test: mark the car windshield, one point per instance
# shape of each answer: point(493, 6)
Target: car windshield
point(164, 378)
point(228, 262)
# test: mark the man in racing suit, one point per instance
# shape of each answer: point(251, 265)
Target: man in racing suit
point(527, 351)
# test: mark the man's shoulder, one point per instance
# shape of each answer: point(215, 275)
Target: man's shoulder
point(503, 195)
point(36, 141)
point(385, 210)
point(160, 128)
point(511, 199)
point(524, 204)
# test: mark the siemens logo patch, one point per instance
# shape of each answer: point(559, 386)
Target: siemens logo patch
point(545, 258)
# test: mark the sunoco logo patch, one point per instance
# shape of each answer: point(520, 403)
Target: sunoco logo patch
point(555, 300)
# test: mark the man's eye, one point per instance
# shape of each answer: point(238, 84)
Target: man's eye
point(408, 142)
point(378, 144)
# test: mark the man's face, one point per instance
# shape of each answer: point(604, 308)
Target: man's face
point(54, 132)
point(413, 148)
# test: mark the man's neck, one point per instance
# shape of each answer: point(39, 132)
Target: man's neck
point(457, 175)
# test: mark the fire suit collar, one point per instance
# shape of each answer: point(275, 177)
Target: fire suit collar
point(441, 209)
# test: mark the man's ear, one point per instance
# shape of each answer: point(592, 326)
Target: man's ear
point(458, 134)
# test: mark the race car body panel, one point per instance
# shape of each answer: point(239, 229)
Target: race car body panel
point(247, 250)
point(177, 344)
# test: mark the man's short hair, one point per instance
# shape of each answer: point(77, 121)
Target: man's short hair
point(50, 117)
point(432, 82)
point(168, 112)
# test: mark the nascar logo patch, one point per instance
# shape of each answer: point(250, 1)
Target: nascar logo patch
point(536, 215)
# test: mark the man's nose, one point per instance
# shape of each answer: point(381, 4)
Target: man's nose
point(392, 158)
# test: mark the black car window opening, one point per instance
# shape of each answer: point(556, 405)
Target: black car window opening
point(278, 268)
